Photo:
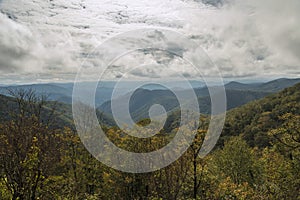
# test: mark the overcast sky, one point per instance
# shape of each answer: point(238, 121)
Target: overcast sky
point(47, 40)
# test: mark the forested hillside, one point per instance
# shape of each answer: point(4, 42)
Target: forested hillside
point(63, 112)
point(258, 157)
point(256, 119)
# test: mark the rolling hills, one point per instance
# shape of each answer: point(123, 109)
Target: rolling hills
point(255, 119)
point(143, 98)
point(237, 94)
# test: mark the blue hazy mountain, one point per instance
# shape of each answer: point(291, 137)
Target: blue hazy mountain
point(144, 97)
point(271, 86)
point(149, 94)
point(237, 94)
point(62, 92)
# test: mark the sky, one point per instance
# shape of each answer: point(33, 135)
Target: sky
point(48, 40)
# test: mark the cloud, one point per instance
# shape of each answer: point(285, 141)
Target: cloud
point(245, 38)
point(277, 22)
point(216, 3)
point(17, 45)
point(21, 50)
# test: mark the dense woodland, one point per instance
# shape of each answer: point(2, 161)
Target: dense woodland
point(257, 157)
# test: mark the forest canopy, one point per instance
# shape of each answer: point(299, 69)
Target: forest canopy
point(257, 157)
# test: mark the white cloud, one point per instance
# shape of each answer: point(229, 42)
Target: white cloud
point(250, 37)
point(21, 51)
point(245, 38)
point(17, 46)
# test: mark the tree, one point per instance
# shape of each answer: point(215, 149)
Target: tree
point(236, 161)
point(196, 161)
point(28, 145)
point(284, 158)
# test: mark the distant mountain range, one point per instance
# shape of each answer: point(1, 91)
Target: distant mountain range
point(254, 119)
point(271, 86)
point(237, 94)
point(143, 98)
point(62, 92)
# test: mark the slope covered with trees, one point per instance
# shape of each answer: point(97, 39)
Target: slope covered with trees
point(257, 118)
point(38, 161)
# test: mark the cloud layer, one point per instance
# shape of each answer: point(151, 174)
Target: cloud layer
point(48, 40)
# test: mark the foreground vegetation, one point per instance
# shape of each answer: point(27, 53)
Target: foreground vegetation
point(258, 157)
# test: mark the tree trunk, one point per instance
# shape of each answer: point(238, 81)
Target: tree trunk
point(195, 177)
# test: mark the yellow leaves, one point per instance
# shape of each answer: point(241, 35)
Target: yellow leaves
point(201, 131)
point(4, 192)
point(287, 136)
point(110, 131)
point(31, 161)
point(128, 179)
point(106, 175)
point(34, 139)
point(107, 178)
point(228, 189)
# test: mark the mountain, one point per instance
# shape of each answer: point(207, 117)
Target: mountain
point(142, 100)
point(5, 102)
point(62, 92)
point(149, 94)
point(271, 86)
point(237, 94)
point(255, 119)
point(63, 116)
point(278, 84)
point(235, 98)
point(241, 86)
point(38, 88)
point(51, 91)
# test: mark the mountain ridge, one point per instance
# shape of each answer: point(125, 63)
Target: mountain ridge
point(237, 94)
